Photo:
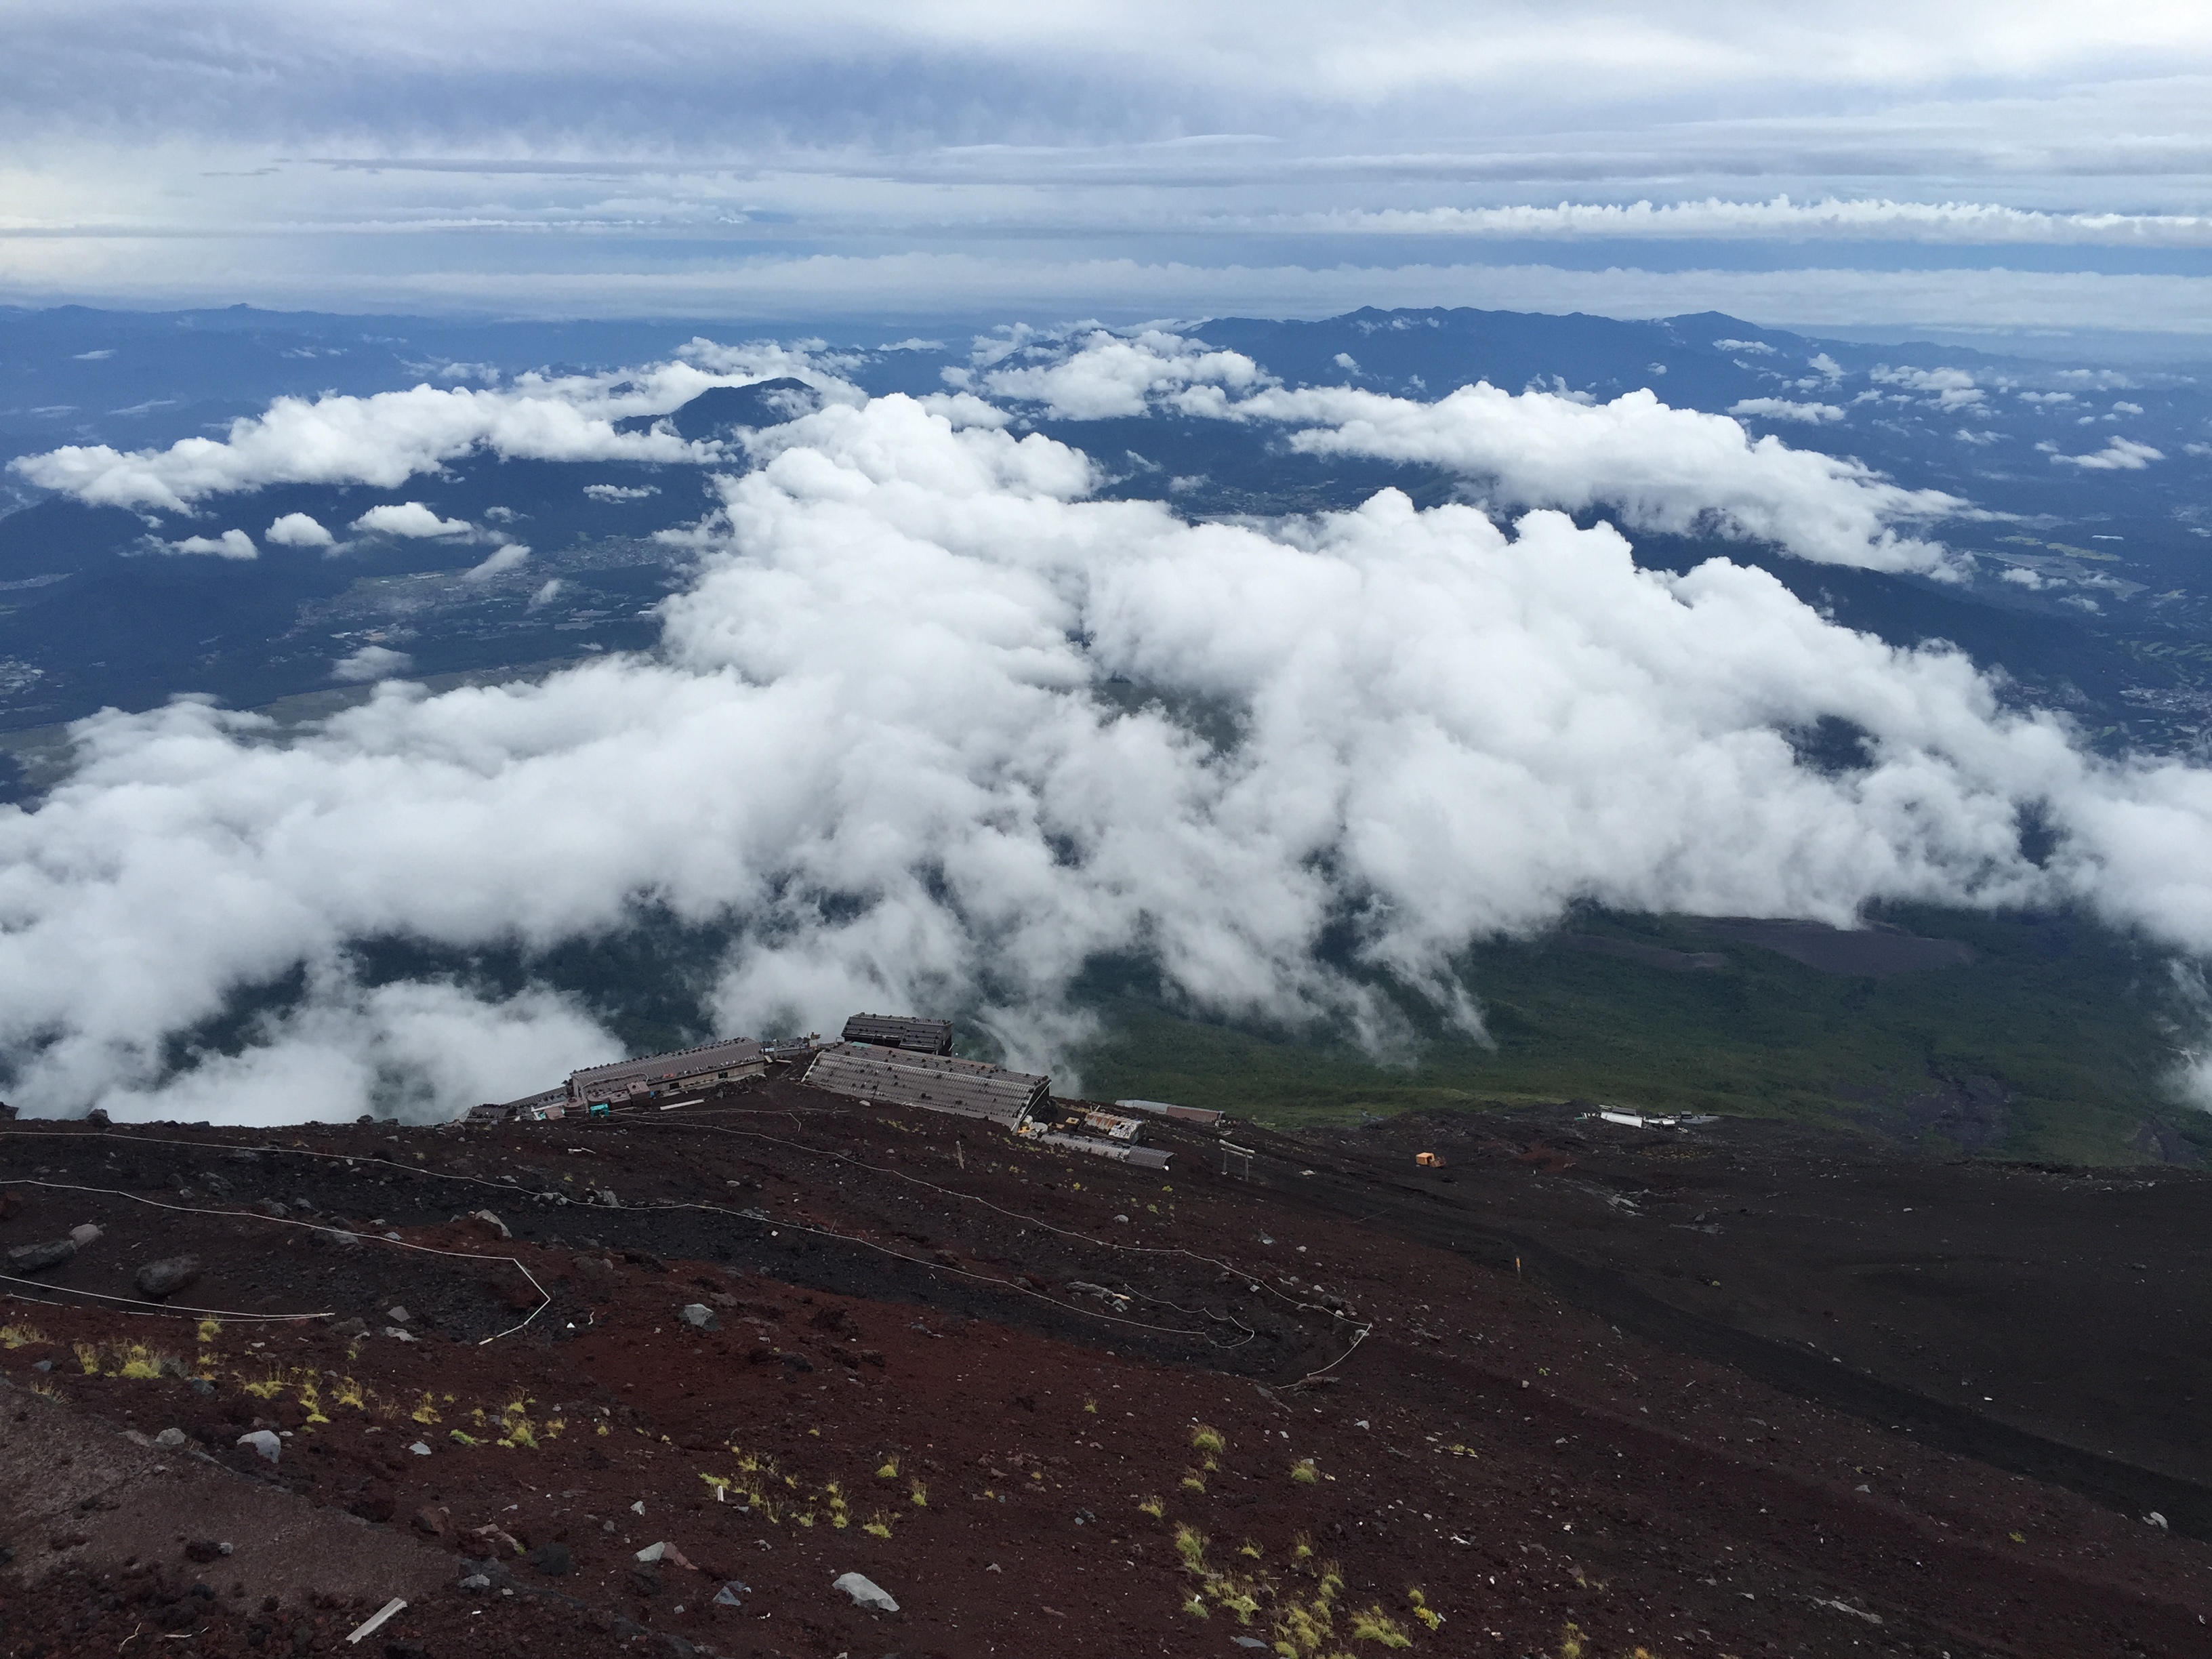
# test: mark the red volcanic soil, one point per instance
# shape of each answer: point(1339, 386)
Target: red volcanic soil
point(1056, 1407)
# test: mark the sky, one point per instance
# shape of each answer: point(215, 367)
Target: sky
point(2025, 168)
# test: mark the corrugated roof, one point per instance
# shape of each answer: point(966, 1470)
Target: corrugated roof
point(729, 1053)
point(937, 1083)
point(923, 1037)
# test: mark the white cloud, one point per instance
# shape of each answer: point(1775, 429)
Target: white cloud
point(1780, 409)
point(2120, 455)
point(546, 595)
point(1662, 468)
point(411, 520)
point(299, 530)
point(231, 544)
point(873, 745)
point(386, 439)
point(1756, 347)
point(607, 492)
point(2021, 577)
point(371, 662)
point(2051, 398)
point(1831, 219)
point(513, 557)
point(1954, 388)
point(1109, 375)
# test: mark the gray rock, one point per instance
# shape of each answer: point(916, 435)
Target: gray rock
point(607, 1195)
point(200, 1384)
point(1249, 1642)
point(352, 1329)
point(489, 1220)
point(419, 1448)
point(337, 1238)
point(866, 1593)
point(553, 1560)
point(84, 1236)
point(727, 1596)
point(398, 1335)
point(170, 1439)
point(43, 1365)
point(398, 1315)
point(264, 1443)
point(475, 1581)
point(700, 1317)
point(37, 1258)
point(168, 1275)
point(271, 1207)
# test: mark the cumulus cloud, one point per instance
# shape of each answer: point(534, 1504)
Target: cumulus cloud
point(371, 662)
point(231, 544)
point(1108, 375)
point(2120, 455)
point(1661, 468)
point(388, 437)
point(1781, 409)
point(299, 530)
point(411, 520)
point(513, 557)
point(1953, 388)
point(607, 492)
point(873, 749)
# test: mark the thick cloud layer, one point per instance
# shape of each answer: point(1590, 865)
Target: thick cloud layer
point(875, 747)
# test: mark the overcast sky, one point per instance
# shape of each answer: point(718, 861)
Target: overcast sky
point(2023, 165)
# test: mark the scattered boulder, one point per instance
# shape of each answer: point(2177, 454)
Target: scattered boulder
point(553, 1560)
point(700, 1317)
point(606, 1195)
point(475, 1581)
point(337, 1238)
point(352, 1329)
point(398, 1315)
point(84, 1236)
point(96, 1119)
point(272, 1208)
point(264, 1442)
point(486, 1218)
point(430, 1521)
point(172, 1439)
point(37, 1258)
point(168, 1276)
point(727, 1596)
point(866, 1593)
point(421, 1448)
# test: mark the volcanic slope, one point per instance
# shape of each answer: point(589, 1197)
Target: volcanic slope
point(1050, 1404)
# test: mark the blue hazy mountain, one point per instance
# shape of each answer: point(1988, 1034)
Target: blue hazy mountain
point(2117, 632)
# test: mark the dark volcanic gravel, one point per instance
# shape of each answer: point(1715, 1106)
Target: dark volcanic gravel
point(1056, 1407)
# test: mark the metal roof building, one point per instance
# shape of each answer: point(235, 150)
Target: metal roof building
point(937, 1083)
point(921, 1037)
point(681, 1068)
